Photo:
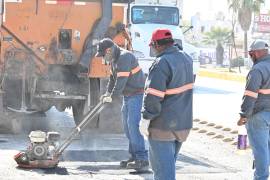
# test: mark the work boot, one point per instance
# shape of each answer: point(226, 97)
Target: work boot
point(123, 164)
point(138, 165)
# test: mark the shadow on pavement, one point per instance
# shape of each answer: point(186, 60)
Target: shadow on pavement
point(185, 159)
point(206, 90)
point(112, 169)
point(56, 170)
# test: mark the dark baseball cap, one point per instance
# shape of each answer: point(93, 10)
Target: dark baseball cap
point(103, 45)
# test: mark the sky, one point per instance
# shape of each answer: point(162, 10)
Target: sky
point(207, 8)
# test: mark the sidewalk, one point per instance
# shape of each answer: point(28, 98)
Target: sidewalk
point(223, 73)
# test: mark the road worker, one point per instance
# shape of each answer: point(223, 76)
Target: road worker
point(255, 109)
point(167, 105)
point(127, 79)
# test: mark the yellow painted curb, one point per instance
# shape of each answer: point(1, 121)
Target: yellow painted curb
point(222, 75)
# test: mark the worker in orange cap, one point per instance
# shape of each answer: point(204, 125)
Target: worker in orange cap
point(167, 105)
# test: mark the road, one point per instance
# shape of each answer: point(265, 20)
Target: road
point(217, 101)
point(209, 153)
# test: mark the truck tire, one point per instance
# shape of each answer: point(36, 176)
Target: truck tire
point(42, 105)
point(80, 108)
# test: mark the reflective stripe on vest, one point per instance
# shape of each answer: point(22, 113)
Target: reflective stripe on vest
point(264, 91)
point(161, 94)
point(251, 94)
point(135, 70)
point(179, 89)
point(123, 74)
point(155, 92)
point(126, 74)
point(255, 95)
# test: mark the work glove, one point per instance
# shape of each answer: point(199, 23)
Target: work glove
point(106, 98)
point(143, 127)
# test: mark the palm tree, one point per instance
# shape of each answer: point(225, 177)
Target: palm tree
point(217, 36)
point(244, 10)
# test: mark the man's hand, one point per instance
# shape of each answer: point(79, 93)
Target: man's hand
point(143, 127)
point(242, 121)
point(106, 98)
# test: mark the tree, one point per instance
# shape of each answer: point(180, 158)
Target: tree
point(232, 43)
point(217, 36)
point(244, 10)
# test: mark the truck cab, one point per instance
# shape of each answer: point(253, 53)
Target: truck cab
point(144, 19)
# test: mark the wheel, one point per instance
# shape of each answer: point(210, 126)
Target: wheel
point(80, 108)
point(42, 105)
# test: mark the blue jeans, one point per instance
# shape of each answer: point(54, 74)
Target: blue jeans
point(258, 129)
point(131, 116)
point(163, 155)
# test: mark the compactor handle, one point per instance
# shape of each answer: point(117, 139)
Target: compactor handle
point(90, 116)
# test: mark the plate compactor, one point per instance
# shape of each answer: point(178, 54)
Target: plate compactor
point(45, 149)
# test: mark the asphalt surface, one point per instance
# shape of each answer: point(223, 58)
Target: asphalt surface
point(97, 157)
point(210, 152)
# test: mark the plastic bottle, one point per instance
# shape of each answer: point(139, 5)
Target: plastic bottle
point(242, 138)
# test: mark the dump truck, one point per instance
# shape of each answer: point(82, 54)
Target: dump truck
point(47, 53)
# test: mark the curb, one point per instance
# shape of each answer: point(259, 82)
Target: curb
point(222, 75)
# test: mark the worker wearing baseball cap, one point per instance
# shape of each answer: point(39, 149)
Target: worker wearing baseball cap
point(167, 105)
point(127, 80)
point(255, 109)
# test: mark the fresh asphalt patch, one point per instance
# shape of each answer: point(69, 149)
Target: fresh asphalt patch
point(95, 156)
point(107, 162)
point(56, 170)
